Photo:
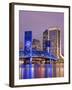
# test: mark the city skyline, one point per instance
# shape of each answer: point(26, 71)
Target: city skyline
point(40, 63)
point(51, 42)
point(37, 22)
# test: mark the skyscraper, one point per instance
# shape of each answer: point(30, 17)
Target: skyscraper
point(45, 38)
point(36, 44)
point(54, 37)
point(52, 34)
point(28, 42)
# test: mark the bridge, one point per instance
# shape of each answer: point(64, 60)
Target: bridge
point(35, 53)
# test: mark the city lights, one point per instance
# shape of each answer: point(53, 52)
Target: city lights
point(41, 63)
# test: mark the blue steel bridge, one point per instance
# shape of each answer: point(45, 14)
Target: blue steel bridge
point(35, 53)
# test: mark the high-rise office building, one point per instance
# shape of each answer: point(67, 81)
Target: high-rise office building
point(36, 44)
point(45, 38)
point(28, 42)
point(53, 35)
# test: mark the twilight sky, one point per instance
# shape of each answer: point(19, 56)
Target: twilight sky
point(37, 22)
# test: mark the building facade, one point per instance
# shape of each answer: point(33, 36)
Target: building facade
point(45, 38)
point(36, 44)
point(52, 35)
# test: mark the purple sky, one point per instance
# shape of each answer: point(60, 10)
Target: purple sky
point(37, 22)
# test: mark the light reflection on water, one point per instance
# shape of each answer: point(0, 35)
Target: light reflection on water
point(28, 71)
